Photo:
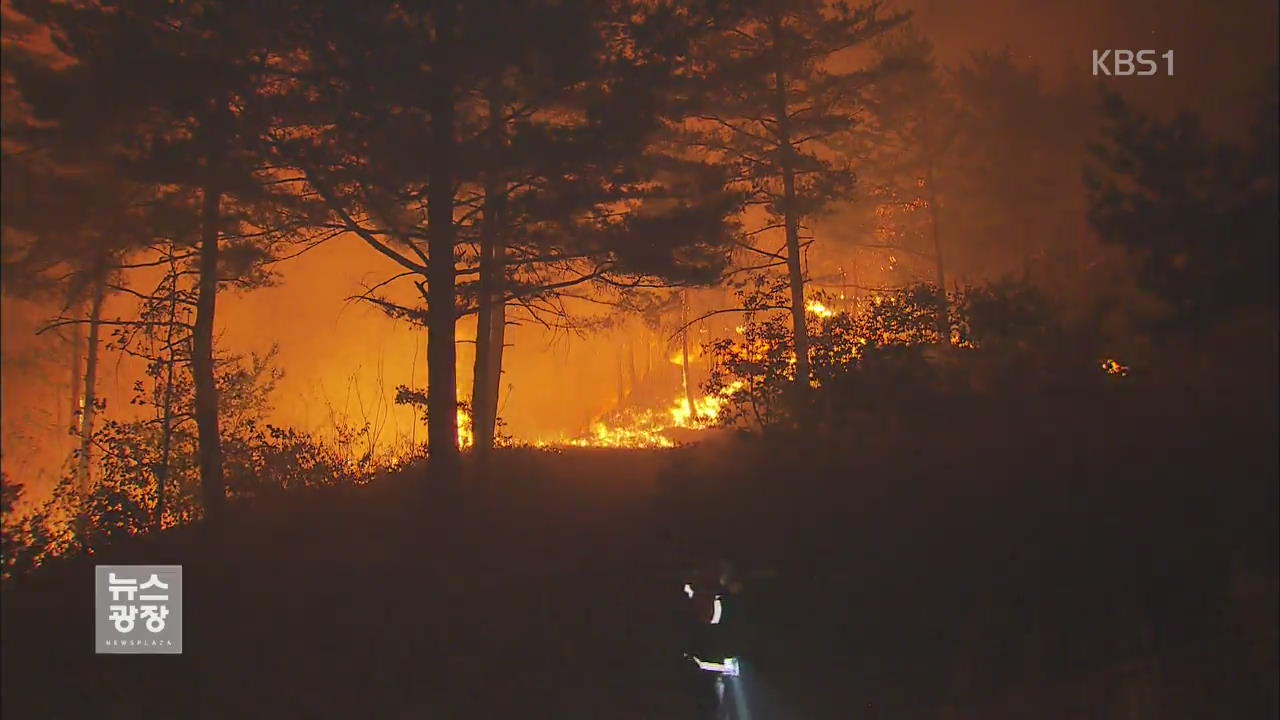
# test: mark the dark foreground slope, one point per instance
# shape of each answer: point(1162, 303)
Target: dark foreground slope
point(519, 600)
point(1031, 560)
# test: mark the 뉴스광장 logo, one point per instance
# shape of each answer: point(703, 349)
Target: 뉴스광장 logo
point(138, 609)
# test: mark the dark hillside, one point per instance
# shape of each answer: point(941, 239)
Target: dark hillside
point(1102, 560)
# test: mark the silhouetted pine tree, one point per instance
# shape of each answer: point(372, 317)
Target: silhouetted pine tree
point(173, 94)
point(1199, 212)
point(777, 93)
point(540, 116)
point(914, 122)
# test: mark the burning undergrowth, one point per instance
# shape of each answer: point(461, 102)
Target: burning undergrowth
point(651, 428)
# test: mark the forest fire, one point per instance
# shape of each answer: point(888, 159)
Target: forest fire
point(818, 309)
point(649, 428)
point(466, 436)
point(652, 427)
point(645, 431)
point(1112, 366)
point(478, 330)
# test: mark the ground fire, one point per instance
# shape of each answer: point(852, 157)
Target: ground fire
point(639, 359)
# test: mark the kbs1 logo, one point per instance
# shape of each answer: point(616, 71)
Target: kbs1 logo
point(138, 609)
point(1125, 63)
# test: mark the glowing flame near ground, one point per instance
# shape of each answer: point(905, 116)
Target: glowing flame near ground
point(643, 432)
point(813, 307)
point(704, 412)
point(646, 429)
point(1112, 367)
point(466, 438)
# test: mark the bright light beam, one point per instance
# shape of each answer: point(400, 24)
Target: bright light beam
point(728, 667)
point(739, 694)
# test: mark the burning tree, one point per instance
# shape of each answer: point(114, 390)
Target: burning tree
point(913, 123)
point(66, 224)
point(881, 359)
point(521, 157)
point(148, 472)
point(777, 95)
point(70, 255)
point(172, 99)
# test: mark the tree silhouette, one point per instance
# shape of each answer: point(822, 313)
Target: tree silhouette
point(914, 123)
point(1199, 213)
point(172, 95)
point(770, 107)
point(67, 222)
point(550, 108)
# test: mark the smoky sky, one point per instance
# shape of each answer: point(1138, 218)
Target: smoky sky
point(1221, 48)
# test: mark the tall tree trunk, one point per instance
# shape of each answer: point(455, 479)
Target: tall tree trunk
point(497, 341)
point(90, 389)
point(85, 432)
point(166, 428)
point(491, 308)
point(943, 320)
point(796, 277)
point(442, 395)
point(481, 375)
point(684, 355)
point(212, 485)
point(77, 377)
point(166, 444)
point(791, 219)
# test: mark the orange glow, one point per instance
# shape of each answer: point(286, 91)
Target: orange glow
point(1112, 367)
point(466, 438)
point(813, 307)
point(647, 429)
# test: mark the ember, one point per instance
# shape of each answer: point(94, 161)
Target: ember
point(1113, 367)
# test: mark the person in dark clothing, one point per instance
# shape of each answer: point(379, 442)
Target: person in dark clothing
point(712, 631)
